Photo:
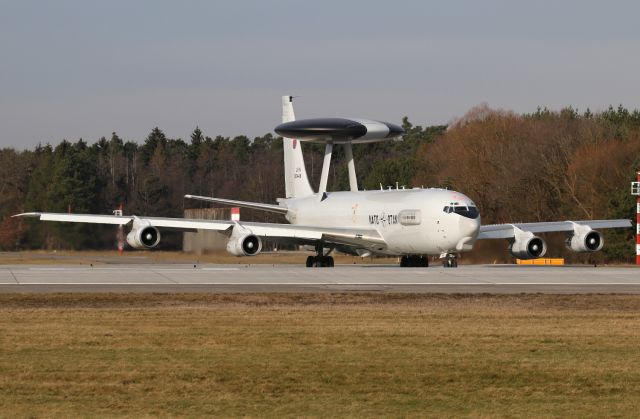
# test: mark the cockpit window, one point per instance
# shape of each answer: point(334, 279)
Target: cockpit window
point(469, 212)
point(465, 211)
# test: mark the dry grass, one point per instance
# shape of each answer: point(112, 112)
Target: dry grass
point(319, 355)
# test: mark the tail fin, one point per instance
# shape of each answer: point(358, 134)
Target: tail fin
point(295, 174)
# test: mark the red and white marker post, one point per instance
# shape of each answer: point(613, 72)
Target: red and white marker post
point(120, 233)
point(235, 214)
point(635, 189)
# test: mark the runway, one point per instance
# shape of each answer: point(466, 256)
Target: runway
point(504, 279)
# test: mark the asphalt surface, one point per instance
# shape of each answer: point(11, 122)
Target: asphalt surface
point(293, 278)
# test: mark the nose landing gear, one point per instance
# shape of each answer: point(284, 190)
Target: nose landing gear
point(450, 261)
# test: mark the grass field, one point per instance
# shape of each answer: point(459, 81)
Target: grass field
point(319, 355)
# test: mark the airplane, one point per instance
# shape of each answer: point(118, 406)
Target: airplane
point(412, 224)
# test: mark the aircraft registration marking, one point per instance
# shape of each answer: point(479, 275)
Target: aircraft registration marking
point(383, 219)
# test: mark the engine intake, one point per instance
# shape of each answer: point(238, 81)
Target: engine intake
point(143, 238)
point(245, 245)
point(528, 248)
point(588, 241)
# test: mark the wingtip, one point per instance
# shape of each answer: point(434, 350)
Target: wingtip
point(27, 214)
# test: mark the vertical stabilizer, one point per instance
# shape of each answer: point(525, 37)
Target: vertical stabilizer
point(295, 174)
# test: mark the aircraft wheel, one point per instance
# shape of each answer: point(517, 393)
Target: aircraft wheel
point(404, 262)
point(450, 262)
point(414, 262)
point(320, 262)
point(424, 261)
point(325, 261)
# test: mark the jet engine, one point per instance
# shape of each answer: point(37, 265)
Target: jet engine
point(244, 245)
point(143, 238)
point(587, 241)
point(530, 247)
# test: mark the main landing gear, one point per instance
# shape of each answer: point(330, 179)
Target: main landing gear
point(320, 260)
point(414, 261)
point(450, 261)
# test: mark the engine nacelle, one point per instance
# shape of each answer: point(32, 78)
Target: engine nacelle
point(144, 237)
point(587, 241)
point(530, 247)
point(244, 245)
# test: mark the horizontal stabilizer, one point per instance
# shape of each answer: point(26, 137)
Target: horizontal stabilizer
point(233, 203)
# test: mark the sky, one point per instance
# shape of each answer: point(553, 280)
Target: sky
point(73, 69)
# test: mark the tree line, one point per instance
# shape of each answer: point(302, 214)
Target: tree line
point(547, 165)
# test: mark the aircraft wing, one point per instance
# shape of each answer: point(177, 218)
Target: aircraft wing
point(507, 231)
point(233, 203)
point(284, 233)
point(170, 223)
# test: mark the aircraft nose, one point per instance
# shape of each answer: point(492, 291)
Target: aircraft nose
point(469, 227)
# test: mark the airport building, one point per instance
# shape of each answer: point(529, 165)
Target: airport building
point(204, 241)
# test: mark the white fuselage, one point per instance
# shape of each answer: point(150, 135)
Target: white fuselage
point(411, 221)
